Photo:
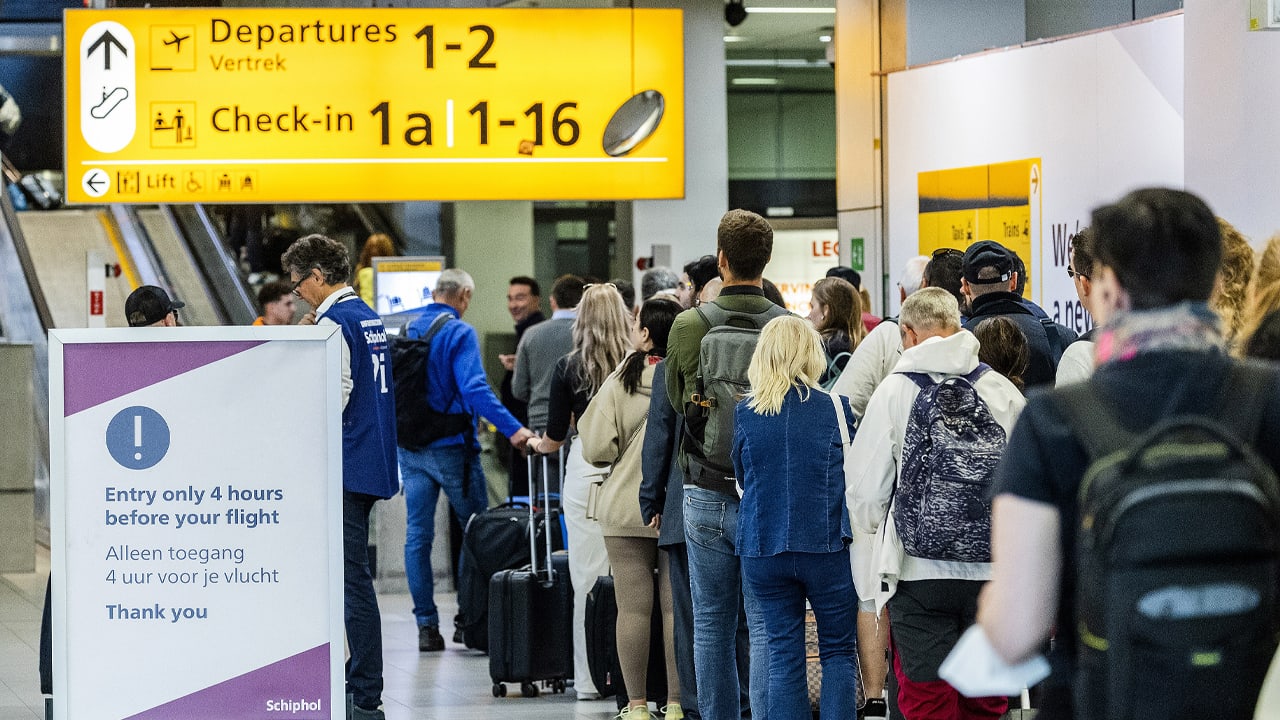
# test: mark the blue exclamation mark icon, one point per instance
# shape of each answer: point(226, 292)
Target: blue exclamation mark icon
point(137, 437)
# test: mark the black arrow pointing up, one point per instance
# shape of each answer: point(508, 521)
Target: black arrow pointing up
point(105, 41)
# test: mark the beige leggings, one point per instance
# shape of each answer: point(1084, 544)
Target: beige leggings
point(633, 560)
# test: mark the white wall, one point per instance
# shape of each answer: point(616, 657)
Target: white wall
point(689, 225)
point(1232, 102)
point(1103, 112)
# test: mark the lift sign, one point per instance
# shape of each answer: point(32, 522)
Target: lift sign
point(294, 105)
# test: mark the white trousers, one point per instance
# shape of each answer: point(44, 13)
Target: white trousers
point(587, 557)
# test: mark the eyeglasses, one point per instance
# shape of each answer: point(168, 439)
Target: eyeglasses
point(1073, 273)
point(943, 252)
point(588, 286)
point(299, 282)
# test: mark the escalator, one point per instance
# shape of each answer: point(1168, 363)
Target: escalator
point(44, 268)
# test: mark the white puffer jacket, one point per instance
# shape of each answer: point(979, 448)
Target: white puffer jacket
point(879, 561)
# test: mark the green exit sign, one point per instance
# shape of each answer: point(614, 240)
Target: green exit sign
point(857, 254)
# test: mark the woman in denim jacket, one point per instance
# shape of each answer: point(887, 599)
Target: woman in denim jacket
point(793, 528)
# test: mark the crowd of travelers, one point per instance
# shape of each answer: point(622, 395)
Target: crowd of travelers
point(965, 477)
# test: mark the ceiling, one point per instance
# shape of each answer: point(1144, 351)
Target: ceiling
point(783, 26)
point(781, 46)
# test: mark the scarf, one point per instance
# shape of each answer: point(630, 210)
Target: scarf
point(1185, 326)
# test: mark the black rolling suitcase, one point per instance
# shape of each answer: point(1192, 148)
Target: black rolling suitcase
point(495, 540)
point(602, 650)
point(530, 620)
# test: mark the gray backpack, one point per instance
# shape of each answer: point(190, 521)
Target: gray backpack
point(723, 358)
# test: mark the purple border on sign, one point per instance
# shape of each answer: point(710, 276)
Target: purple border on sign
point(301, 679)
point(95, 373)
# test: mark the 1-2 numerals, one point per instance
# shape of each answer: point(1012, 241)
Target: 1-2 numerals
point(428, 36)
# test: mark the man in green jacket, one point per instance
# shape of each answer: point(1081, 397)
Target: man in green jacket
point(744, 243)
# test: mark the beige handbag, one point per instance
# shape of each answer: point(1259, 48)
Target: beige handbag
point(597, 481)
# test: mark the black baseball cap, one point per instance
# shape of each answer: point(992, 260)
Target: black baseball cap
point(149, 305)
point(988, 254)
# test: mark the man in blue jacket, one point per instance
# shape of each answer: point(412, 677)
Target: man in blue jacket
point(456, 383)
point(319, 267)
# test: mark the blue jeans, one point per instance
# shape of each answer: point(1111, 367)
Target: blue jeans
point(456, 470)
point(360, 603)
point(723, 611)
point(781, 583)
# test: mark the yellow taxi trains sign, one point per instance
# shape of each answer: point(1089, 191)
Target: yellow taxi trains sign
point(276, 105)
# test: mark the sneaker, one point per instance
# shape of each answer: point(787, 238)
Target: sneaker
point(639, 712)
point(359, 713)
point(875, 709)
point(429, 639)
point(672, 711)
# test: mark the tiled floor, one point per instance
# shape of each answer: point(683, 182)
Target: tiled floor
point(453, 685)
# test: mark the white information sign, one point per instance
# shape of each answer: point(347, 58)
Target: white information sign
point(196, 523)
point(801, 258)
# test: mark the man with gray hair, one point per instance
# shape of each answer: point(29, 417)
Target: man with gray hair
point(456, 385)
point(318, 268)
point(940, 421)
point(659, 280)
point(912, 278)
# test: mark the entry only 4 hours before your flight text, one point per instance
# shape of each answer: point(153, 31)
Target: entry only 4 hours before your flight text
point(175, 564)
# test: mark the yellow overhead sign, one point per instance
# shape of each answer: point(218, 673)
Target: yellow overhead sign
point(293, 105)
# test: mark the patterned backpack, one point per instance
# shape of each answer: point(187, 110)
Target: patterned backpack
point(949, 455)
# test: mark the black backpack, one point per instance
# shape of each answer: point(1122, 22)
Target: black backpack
point(723, 357)
point(1178, 558)
point(417, 423)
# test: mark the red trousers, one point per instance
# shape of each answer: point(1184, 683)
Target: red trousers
point(937, 700)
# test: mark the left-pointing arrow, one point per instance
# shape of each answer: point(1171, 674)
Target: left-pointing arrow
point(94, 181)
point(105, 41)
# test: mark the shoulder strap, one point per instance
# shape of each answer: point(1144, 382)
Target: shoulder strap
point(436, 325)
point(715, 315)
point(973, 375)
point(1055, 339)
point(1246, 392)
point(1092, 420)
point(922, 380)
point(841, 420)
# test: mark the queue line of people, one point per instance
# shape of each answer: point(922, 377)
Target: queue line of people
point(813, 504)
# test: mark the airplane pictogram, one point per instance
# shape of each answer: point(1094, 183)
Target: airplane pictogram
point(176, 40)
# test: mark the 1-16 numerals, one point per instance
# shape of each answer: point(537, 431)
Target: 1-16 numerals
point(564, 130)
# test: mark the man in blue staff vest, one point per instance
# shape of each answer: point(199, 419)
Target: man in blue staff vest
point(319, 268)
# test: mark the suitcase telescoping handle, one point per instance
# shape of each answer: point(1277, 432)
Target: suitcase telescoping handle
point(533, 529)
point(546, 511)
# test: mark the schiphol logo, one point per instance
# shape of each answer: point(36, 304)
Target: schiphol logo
point(137, 437)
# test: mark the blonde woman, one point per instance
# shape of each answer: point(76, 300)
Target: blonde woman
point(378, 245)
point(1230, 292)
point(793, 530)
point(612, 433)
point(835, 309)
point(601, 335)
point(1263, 294)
